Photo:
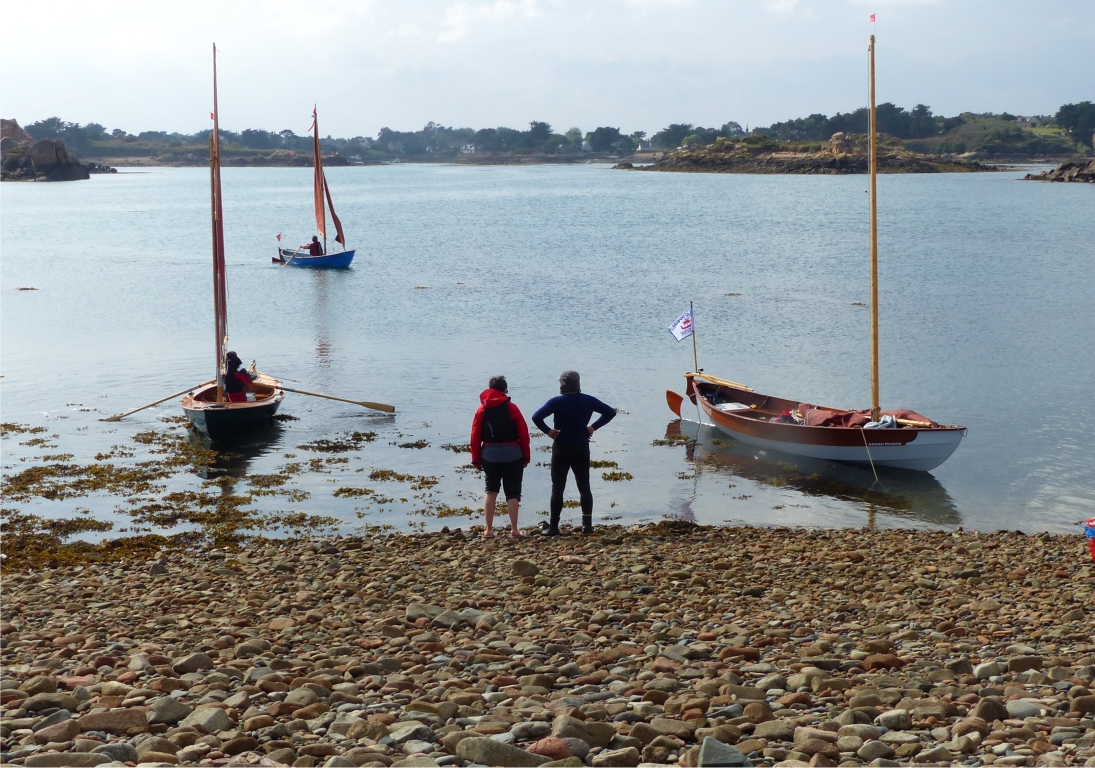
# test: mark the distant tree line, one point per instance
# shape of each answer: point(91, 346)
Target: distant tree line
point(436, 140)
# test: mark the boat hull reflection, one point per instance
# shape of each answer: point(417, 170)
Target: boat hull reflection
point(902, 493)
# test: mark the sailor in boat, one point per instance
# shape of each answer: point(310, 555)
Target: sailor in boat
point(315, 248)
point(237, 380)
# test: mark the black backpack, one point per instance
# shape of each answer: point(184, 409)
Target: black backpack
point(498, 425)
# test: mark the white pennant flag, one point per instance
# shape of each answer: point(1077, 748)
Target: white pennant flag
point(682, 327)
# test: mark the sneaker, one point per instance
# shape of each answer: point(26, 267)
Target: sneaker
point(587, 530)
point(550, 532)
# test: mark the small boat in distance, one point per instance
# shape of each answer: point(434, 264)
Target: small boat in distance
point(900, 438)
point(206, 406)
point(321, 191)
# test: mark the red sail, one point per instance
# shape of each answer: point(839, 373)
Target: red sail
point(339, 237)
point(220, 286)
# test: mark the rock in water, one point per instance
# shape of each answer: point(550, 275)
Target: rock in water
point(45, 160)
point(714, 752)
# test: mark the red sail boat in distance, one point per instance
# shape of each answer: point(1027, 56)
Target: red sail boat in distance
point(321, 192)
point(206, 406)
point(899, 438)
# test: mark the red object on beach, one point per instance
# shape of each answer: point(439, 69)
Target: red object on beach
point(1089, 531)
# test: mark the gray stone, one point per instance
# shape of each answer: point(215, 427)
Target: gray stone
point(593, 733)
point(491, 752)
point(285, 755)
point(627, 757)
point(578, 747)
point(1021, 709)
point(165, 709)
point(301, 697)
point(937, 754)
point(63, 731)
point(411, 730)
point(194, 662)
point(775, 730)
point(900, 737)
point(66, 759)
point(987, 669)
point(525, 568)
point(40, 701)
point(157, 744)
point(119, 750)
point(422, 761)
point(874, 749)
point(414, 746)
point(338, 761)
point(714, 752)
point(895, 720)
point(849, 743)
point(864, 731)
point(115, 720)
point(990, 709)
point(210, 718)
point(57, 717)
point(254, 674)
point(416, 611)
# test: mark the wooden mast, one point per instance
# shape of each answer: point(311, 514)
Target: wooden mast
point(220, 291)
point(873, 131)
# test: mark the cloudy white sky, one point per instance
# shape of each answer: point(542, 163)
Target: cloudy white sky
point(632, 64)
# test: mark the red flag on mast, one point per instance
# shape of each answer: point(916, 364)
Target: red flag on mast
point(872, 17)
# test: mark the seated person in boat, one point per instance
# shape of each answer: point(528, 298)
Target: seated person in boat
point(315, 248)
point(237, 381)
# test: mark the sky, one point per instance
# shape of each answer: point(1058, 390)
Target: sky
point(630, 64)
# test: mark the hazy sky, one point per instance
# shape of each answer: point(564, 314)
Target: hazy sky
point(632, 64)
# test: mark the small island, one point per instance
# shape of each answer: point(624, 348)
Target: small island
point(842, 154)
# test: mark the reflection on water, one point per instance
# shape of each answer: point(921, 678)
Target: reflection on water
point(912, 495)
point(234, 457)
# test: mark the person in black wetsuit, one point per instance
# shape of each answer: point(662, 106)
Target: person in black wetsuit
point(570, 453)
point(237, 381)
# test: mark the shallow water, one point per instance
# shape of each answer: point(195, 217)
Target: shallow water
point(463, 273)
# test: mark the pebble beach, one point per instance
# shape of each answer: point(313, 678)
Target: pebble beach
point(668, 644)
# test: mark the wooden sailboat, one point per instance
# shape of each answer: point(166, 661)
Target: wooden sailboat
point(321, 192)
point(899, 438)
point(206, 406)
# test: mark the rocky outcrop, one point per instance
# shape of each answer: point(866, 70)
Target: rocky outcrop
point(843, 154)
point(24, 159)
point(1075, 171)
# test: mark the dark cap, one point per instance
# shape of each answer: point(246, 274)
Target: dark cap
point(570, 381)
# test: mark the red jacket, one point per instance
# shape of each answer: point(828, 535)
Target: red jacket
point(492, 398)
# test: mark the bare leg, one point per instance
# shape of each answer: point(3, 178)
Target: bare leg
point(513, 506)
point(488, 509)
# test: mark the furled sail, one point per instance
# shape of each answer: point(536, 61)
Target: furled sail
point(220, 284)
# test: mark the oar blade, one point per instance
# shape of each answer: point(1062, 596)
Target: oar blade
point(377, 406)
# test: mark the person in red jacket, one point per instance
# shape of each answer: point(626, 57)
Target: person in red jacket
point(500, 447)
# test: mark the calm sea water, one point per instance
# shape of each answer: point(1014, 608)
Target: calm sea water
point(987, 320)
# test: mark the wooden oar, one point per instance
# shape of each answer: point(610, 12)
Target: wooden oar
point(363, 403)
point(298, 250)
point(120, 416)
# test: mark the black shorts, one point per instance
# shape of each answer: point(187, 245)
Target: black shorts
point(507, 473)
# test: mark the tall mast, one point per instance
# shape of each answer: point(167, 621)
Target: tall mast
point(873, 131)
point(220, 290)
point(321, 215)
